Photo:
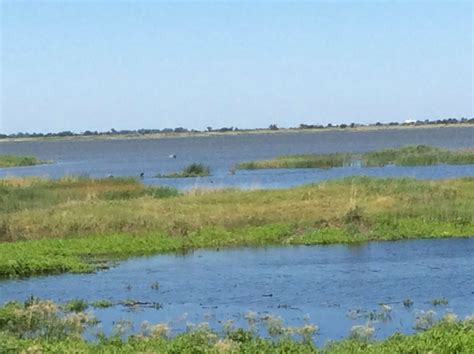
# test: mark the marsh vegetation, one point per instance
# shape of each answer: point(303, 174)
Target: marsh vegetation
point(410, 155)
point(75, 224)
point(17, 161)
point(38, 325)
point(192, 170)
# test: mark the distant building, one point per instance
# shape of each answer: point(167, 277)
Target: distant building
point(409, 121)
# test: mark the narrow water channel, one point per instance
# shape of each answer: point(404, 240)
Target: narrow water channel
point(335, 286)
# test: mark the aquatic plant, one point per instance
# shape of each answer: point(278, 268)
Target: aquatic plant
point(192, 170)
point(39, 325)
point(102, 304)
point(159, 330)
point(362, 332)
point(76, 305)
point(424, 320)
point(155, 285)
point(41, 318)
point(439, 301)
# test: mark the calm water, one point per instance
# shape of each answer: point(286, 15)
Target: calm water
point(324, 282)
point(151, 156)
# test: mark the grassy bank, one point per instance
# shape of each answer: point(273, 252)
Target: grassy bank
point(43, 326)
point(192, 170)
point(74, 224)
point(15, 161)
point(416, 155)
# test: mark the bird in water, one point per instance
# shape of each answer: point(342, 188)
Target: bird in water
point(172, 156)
point(142, 174)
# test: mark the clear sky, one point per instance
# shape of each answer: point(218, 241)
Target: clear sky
point(85, 65)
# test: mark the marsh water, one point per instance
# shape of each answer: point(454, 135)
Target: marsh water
point(335, 286)
point(122, 157)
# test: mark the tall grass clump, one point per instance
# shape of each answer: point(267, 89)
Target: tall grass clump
point(192, 170)
point(14, 161)
point(299, 161)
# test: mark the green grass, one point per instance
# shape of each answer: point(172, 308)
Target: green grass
point(193, 170)
point(102, 304)
point(15, 161)
point(416, 155)
point(80, 225)
point(38, 193)
point(299, 161)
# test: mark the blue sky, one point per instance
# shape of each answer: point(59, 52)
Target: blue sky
point(77, 65)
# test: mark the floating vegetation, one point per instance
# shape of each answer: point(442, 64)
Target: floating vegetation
point(135, 304)
point(362, 332)
point(410, 155)
point(102, 304)
point(440, 301)
point(76, 306)
point(41, 326)
point(192, 170)
point(17, 161)
point(424, 320)
point(384, 314)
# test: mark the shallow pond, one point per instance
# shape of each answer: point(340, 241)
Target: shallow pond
point(337, 286)
point(121, 157)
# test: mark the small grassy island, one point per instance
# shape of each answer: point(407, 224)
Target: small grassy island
point(192, 170)
point(16, 161)
point(411, 155)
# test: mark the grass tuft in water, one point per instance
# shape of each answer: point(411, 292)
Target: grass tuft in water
point(192, 170)
point(102, 304)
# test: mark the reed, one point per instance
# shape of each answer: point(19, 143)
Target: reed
point(192, 170)
point(411, 155)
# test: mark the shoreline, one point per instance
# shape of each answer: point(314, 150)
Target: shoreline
point(232, 133)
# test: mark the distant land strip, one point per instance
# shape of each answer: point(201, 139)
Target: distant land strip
point(209, 131)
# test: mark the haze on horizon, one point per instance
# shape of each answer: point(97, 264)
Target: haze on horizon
point(85, 65)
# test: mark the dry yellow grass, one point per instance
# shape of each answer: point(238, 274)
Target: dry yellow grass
point(326, 203)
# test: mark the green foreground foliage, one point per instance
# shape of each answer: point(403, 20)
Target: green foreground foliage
point(416, 155)
point(43, 326)
point(81, 224)
point(15, 161)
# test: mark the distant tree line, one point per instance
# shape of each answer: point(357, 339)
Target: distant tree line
point(142, 132)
